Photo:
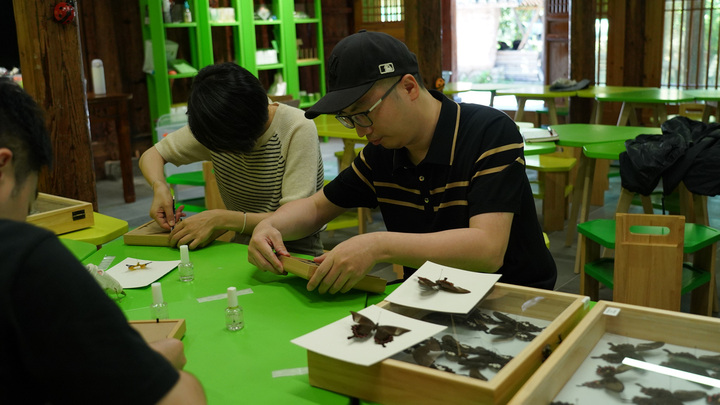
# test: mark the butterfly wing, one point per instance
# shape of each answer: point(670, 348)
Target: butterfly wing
point(363, 326)
point(384, 334)
point(427, 283)
point(450, 287)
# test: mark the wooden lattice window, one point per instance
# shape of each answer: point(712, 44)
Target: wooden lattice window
point(380, 11)
point(690, 44)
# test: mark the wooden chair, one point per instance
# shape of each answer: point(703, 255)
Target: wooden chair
point(648, 268)
point(213, 200)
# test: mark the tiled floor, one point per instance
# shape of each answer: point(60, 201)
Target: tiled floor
point(110, 202)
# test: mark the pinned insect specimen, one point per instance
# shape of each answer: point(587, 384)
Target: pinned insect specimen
point(686, 362)
point(364, 327)
point(137, 266)
point(106, 281)
point(661, 396)
point(608, 380)
point(509, 328)
point(628, 350)
point(426, 353)
point(441, 285)
point(713, 399)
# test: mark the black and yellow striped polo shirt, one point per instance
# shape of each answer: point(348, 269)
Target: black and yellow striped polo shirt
point(475, 165)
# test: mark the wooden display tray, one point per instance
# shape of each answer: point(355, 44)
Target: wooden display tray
point(304, 268)
point(632, 321)
point(154, 330)
point(397, 382)
point(61, 214)
point(148, 234)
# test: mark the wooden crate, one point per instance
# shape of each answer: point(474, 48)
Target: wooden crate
point(61, 214)
point(398, 382)
point(157, 329)
point(693, 333)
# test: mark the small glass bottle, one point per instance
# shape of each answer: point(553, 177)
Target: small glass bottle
point(159, 308)
point(187, 16)
point(186, 267)
point(234, 319)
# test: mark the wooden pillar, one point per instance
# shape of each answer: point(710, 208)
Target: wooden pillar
point(582, 54)
point(423, 32)
point(449, 42)
point(51, 65)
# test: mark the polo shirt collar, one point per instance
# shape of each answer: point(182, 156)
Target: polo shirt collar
point(442, 144)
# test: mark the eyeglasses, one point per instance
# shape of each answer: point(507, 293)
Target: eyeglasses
point(361, 119)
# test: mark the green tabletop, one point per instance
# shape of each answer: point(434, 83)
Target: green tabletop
point(604, 91)
point(459, 87)
point(705, 94)
point(579, 135)
point(81, 250)
point(539, 148)
point(651, 95)
point(605, 150)
point(238, 367)
point(534, 91)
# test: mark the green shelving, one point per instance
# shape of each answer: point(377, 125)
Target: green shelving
point(294, 30)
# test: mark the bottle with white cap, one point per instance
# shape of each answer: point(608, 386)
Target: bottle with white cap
point(186, 269)
point(159, 308)
point(234, 319)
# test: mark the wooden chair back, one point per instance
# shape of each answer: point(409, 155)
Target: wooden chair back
point(649, 260)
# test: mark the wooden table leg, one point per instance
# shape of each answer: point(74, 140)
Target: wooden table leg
point(552, 111)
point(576, 199)
point(585, 207)
point(520, 113)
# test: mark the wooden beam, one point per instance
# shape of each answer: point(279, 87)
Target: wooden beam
point(51, 65)
point(423, 28)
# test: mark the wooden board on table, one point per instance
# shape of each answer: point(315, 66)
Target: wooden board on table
point(304, 268)
point(158, 329)
point(148, 234)
point(61, 214)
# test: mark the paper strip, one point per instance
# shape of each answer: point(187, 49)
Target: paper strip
point(223, 296)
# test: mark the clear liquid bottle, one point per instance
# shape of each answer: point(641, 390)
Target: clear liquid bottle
point(159, 308)
point(186, 269)
point(234, 319)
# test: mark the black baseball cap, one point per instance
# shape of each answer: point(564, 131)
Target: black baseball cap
point(356, 63)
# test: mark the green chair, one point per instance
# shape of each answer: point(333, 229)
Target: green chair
point(189, 179)
point(698, 240)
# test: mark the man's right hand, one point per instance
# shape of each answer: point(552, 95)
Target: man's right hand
point(266, 243)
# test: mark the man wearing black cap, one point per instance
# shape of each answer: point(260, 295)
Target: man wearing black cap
point(449, 179)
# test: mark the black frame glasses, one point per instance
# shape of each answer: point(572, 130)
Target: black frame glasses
point(361, 119)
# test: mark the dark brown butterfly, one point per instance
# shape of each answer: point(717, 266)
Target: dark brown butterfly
point(364, 327)
point(662, 396)
point(441, 285)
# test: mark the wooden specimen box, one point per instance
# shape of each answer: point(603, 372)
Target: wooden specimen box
point(398, 380)
point(672, 340)
point(157, 329)
point(148, 234)
point(61, 214)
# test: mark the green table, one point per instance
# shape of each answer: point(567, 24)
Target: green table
point(654, 98)
point(492, 88)
point(524, 93)
point(581, 135)
point(711, 97)
point(539, 148)
point(81, 250)
point(238, 367)
point(594, 92)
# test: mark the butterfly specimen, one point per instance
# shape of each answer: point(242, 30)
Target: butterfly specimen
point(441, 285)
point(608, 380)
point(426, 352)
point(628, 350)
point(137, 266)
point(364, 327)
point(687, 362)
point(661, 396)
point(510, 328)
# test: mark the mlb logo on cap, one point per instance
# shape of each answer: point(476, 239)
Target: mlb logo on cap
point(386, 68)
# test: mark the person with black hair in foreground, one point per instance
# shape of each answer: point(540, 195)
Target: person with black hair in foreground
point(62, 339)
point(264, 155)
